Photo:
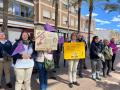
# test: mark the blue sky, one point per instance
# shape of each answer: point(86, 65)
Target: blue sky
point(103, 19)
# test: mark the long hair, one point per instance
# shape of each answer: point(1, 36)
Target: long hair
point(95, 37)
point(22, 34)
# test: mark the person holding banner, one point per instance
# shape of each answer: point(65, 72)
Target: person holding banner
point(5, 59)
point(72, 66)
point(95, 56)
point(23, 62)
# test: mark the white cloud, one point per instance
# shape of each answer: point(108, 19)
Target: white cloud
point(119, 16)
point(116, 19)
point(93, 14)
point(118, 25)
point(102, 22)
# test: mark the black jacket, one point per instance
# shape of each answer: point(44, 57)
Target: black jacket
point(6, 47)
point(95, 49)
point(82, 40)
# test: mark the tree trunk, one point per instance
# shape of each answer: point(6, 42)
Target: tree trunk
point(56, 14)
point(5, 17)
point(79, 14)
point(90, 18)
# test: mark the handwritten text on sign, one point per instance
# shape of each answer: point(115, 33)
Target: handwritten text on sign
point(74, 50)
point(45, 40)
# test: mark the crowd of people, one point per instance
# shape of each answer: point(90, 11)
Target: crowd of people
point(101, 52)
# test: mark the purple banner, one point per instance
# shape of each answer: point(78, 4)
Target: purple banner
point(20, 48)
point(61, 40)
point(49, 28)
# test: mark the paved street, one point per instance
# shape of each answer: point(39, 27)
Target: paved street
point(86, 83)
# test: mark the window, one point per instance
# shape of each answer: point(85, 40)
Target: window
point(30, 12)
point(65, 20)
point(72, 9)
point(72, 22)
point(10, 9)
point(76, 22)
point(1, 3)
point(46, 14)
point(65, 5)
point(24, 10)
point(53, 16)
point(16, 9)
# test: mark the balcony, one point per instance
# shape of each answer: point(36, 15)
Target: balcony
point(18, 18)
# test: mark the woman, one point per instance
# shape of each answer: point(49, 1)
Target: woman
point(114, 50)
point(72, 66)
point(95, 56)
point(43, 74)
point(5, 59)
point(107, 52)
point(23, 62)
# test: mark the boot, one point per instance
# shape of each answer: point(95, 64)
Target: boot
point(94, 76)
point(98, 75)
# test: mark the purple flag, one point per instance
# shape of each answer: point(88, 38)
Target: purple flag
point(61, 40)
point(20, 48)
point(48, 27)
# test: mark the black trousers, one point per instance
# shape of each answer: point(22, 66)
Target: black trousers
point(80, 66)
point(56, 57)
point(107, 67)
point(113, 60)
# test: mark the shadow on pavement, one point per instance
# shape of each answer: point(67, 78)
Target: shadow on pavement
point(108, 86)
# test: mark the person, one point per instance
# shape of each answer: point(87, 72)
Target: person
point(107, 52)
point(23, 61)
point(5, 59)
point(43, 73)
point(72, 66)
point(114, 49)
point(82, 63)
point(95, 56)
point(56, 55)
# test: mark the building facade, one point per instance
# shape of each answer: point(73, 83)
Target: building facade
point(20, 17)
point(45, 13)
point(108, 34)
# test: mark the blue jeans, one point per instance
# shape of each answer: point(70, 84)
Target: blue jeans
point(43, 76)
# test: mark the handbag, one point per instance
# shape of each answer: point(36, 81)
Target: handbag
point(49, 64)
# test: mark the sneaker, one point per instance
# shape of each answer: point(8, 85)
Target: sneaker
point(113, 69)
point(9, 85)
point(80, 75)
point(54, 78)
point(76, 83)
point(71, 85)
point(94, 78)
point(85, 67)
point(0, 86)
point(98, 78)
point(109, 75)
point(104, 76)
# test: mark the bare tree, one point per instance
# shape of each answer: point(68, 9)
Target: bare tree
point(5, 17)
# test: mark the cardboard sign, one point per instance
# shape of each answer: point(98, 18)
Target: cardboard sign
point(74, 50)
point(45, 40)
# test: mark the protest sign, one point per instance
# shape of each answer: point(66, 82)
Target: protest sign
point(74, 50)
point(45, 40)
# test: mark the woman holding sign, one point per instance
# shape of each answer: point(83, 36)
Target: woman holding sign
point(23, 62)
point(72, 66)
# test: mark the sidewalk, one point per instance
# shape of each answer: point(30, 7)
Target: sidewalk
point(86, 83)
